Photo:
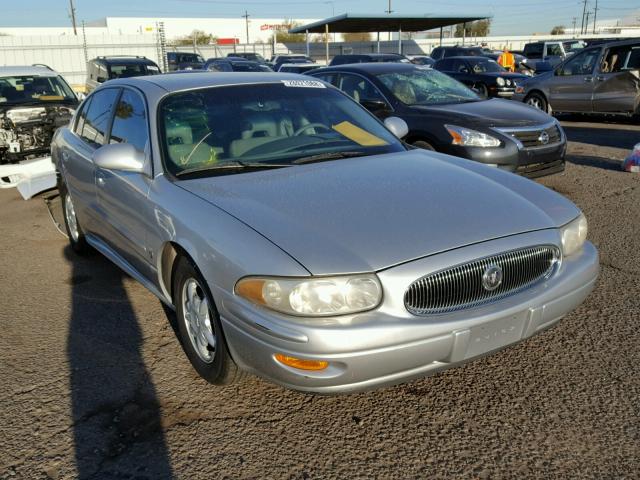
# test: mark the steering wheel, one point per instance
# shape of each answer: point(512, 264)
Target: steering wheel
point(310, 125)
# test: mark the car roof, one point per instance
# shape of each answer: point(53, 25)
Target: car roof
point(123, 60)
point(466, 57)
point(18, 71)
point(201, 79)
point(373, 68)
point(298, 65)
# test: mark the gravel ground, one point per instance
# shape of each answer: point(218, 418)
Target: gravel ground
point(95, 385)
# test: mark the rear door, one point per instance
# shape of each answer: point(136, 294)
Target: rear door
point(77, 162)
point(617, 85)
point(571, 86)
point(122, 196)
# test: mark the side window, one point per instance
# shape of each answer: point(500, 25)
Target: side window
point(581, 63)
point(533, 51)
point(436, 53)
point(327, 77)
point(130, 121)
point(98, 118)
point(358, 88)
point(554, 50)
point(82, 116)
point(620, 59)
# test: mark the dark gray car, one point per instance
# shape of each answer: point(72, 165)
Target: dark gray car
point(600, 79)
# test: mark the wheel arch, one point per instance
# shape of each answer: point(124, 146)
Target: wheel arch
point(168, 256)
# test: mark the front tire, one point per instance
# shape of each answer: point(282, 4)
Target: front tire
point(482, 89)
point(538, 101)
point(76, 236)
point(199, 326)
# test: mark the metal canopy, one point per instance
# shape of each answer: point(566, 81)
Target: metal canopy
point(359, 23)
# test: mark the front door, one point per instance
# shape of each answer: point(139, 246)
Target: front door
point(122, 196)
point(571, 87)
point(617, 83)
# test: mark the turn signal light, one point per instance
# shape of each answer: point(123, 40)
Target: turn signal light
point(301, 364)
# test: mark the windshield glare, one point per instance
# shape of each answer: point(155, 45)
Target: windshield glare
point(424, 86)
point(485, 66)
point(265, 124)
point(33, 88)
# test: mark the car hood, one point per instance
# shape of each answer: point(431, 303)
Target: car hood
point(369, 213)
point(488, 113)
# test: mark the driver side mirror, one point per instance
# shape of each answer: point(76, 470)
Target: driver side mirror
point(101, 79)
point(123, 157)
point(397, 126)
point(373, 105)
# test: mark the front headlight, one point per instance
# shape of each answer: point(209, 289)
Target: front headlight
point(500, 81)
point(471, 138)
point(573, 235)
point(313, 296)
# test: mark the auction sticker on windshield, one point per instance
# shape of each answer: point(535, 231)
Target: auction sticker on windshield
point(303, 83)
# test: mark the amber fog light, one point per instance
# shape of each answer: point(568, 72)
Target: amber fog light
point(301, 364)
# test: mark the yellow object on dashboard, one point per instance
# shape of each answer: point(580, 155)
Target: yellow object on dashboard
point(358, 135)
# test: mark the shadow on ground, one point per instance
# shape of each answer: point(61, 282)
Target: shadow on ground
point(116, 413)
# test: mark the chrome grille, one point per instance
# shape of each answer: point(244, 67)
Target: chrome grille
point(531, 138)
point(461, 286)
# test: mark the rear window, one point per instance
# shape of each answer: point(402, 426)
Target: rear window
point(533, 50)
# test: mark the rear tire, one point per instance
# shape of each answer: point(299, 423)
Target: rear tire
point(424, 145)
point(199, 326)
point(482, 89)
point(75, 234)
point(538, 101)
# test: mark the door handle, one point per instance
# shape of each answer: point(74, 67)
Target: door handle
point(100, 180)
point(588, 79)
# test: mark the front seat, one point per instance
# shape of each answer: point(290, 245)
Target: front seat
point(261, 128)
point(182, 149)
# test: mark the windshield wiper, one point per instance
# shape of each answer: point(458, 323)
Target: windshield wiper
point(237, 165)
point(323, 157)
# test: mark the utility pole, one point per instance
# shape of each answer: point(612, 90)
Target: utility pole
point(574, 26)
point(584, 11)
point(586, 23)
point(595, 16)
point(73, 17)
point(389, 12)
point(246, 20)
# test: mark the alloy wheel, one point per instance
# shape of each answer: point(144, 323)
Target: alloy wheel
point(197, 319)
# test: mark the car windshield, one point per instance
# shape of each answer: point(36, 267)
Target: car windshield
point(425, 86)
point(126, 70)
point(34, 89)
point(573, 46)
point(485, 66)
point(278, 124)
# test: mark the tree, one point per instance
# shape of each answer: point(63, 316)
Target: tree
point(479, 28)
point(283, 36)
point(200, 37)
point(356, 37)
point(557, 30)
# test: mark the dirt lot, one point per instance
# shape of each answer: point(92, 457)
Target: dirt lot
point(95, 385)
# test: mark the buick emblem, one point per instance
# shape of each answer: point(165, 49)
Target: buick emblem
point(492, 278)
point(543, 138)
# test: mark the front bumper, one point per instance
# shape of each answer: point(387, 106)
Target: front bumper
point(388, 345)
point(29, 176)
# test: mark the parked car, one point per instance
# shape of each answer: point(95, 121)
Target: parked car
point(184, 61)
point(251, 56)
point(481, 74)
point(231, 64)
point(439, 53)
point(368, 58)
point(278, 60)
point(521, 66)
point(101, 69)
point(444, 115)
point(377, 266)
point(599, 79)
point(297, 67)
point(551, 52)
point(34, 102)
point(421, 60)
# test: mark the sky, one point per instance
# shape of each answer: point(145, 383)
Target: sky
point(510, 17)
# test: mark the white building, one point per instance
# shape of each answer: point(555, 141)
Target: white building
point(259, 29)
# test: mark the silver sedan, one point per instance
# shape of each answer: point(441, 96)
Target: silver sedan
point(298, 239)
